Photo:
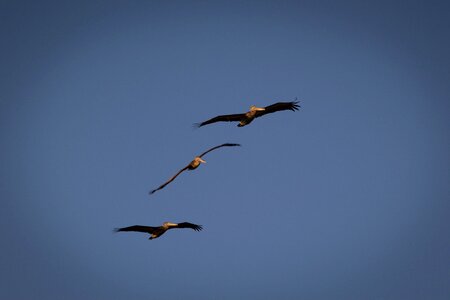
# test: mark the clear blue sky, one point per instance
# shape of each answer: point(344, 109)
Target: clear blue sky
point(347, 198)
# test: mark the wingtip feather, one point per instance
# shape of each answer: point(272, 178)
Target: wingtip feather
point(295, 105)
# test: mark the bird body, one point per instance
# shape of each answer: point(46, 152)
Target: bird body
point(156, 232)
point(194, 164)
point(250, 116)
point(254, 112)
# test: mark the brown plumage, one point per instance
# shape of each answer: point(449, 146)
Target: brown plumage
point(193, 165)
point(156, 232)
point(255, 112)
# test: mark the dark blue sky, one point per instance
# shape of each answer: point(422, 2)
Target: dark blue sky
point(347, 198)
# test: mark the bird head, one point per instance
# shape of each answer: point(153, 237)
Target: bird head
point(199, 159)
point(254, 108)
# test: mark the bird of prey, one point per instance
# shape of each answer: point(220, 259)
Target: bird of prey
point(192, 165)
point(156, 232)
point(255, 112)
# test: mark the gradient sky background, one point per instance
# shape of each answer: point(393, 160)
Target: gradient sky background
point(347, 198)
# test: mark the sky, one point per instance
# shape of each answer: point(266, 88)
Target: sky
point(347, 198)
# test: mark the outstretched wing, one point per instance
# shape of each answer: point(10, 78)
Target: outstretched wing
point(223, 145)
point(169, 181)
point(189, 225)
point(278, 107)
point(224, 118)
point(138, 228)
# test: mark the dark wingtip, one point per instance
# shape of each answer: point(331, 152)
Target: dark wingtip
point(152, 192)
point(116, 229)
point(295, 105)
point(196, 125)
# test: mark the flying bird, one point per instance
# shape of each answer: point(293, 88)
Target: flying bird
point(156, 232)
point(193, 165)
point(255, 112)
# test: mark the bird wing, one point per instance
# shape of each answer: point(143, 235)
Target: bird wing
point(138, 228)
point(223, 145)
point(170, 180)
point(224, 118)
point(189, 225)
point(278, 107)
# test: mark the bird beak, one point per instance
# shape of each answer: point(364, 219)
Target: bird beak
point(260, 108)
point(201, 160)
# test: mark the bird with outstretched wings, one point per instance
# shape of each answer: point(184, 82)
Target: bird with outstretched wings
point(193, 165)
point(156, 232)
point(255, 112)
